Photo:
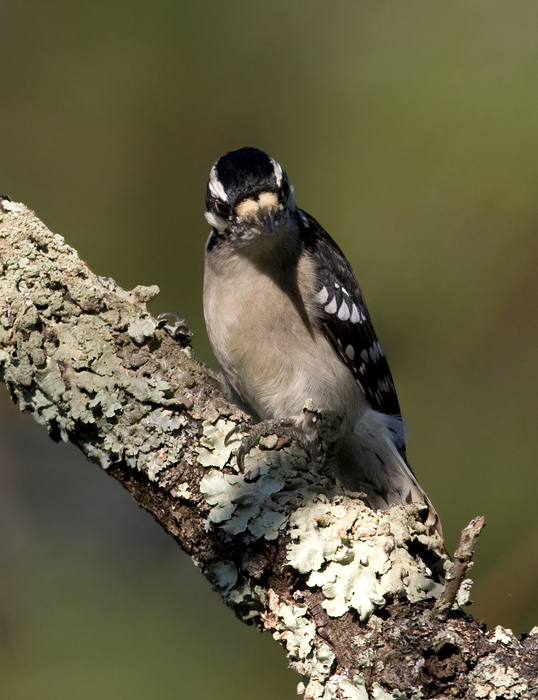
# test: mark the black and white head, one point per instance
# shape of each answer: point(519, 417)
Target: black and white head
point(248, 193)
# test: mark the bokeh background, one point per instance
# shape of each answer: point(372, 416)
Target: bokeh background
point(410, 131)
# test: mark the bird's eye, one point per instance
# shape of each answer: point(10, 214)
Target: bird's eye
point(285, 190)
point(222, 209)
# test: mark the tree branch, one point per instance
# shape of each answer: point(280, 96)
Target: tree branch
point(348, 591)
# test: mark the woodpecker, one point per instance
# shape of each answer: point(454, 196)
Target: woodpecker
point(287, 321)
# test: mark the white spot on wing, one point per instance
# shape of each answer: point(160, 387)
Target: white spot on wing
point(215, 185)
point(376, 352)
point(355, 315)
point(323, 295)
point(350, 352)
point(343, 312)
point(364, 355)
point(331, 306)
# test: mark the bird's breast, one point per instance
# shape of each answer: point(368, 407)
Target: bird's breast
point(265, 335)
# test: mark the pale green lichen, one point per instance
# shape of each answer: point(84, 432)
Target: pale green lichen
point(142, 328)
point(501, 635)
point(182, 491)
point(247, 601)
point(321, 664)
point(378, 693)
point(225, 576)
point(212, 451)
point(355, 690)
point(295, 630)
point(490, 681)
point(221, 490)
point(298, 633)
point(354, 555)
point(258, 506)
point(157, 426)
point(357, 556)
point(74, 366)
point(463, 596)
point(318, 691)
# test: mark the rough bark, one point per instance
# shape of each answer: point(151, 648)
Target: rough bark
point(349, 592)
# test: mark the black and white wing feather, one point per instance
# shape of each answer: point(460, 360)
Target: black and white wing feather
point(346, 321)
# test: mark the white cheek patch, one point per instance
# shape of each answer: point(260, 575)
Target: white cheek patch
point(278, 172)
point(215, 221)
point(215, 185)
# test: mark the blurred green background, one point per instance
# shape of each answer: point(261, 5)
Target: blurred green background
point(410, 131)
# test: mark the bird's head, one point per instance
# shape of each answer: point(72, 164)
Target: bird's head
point(248, 194)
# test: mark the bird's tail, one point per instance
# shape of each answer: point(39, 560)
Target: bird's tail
point(414, 493)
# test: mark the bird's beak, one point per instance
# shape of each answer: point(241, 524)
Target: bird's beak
point(268, 207)
point(267, 219)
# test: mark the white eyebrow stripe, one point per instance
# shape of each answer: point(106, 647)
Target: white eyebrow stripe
point(215, 185)
point(278, 172)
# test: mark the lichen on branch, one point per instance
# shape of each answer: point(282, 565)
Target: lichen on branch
point(349, 592)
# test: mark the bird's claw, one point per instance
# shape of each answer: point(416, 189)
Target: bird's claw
point(282, 428)
point(239, 428)
point(179, 329)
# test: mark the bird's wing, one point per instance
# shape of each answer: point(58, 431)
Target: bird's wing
point(345, 320)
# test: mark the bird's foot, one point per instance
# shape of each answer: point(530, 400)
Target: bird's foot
point(178, 329)
point(282, 428)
